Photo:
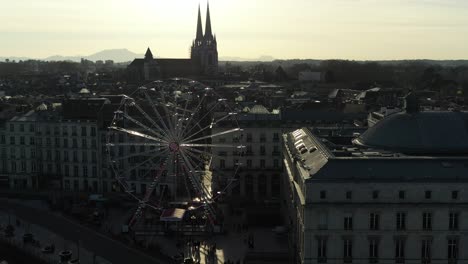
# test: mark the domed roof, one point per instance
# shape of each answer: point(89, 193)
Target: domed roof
point(443, 133)
point(84, 91)
point(42, 107)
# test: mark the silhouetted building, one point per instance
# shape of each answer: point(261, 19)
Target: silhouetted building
point(203, 59)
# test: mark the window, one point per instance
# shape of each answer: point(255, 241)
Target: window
point(12, 127)
point(94, 172)
point(22, 141)
point(262, 150)
point(375, 195)
point(93, 131)
point(13, 153)
point(57, 142)
point(348, 222)
point(83, 131)
point(276, 150)
point(275, 163)
point(13, 166)
point(323, 220)
point(401, 221)
point(428, 194)
point(66, 170)
point(249, 137)
point(84, 156)
point(322, 250)
point(85, 171)
point(401, 195)
point(400, 250)
point(262, 137)
point(222, 164)
point(64, 131)
point(33, 166)
point(12, 141)
point(31, 141)
point(427, 221)
point(426, 251)
point(453, 220)
point(373, 250)
point(349, 195)
point(454, 195)
point(33, 153)
point(75, 143)
point(65, 142)
point(75, 156)
point(21, 127)
point(262, 164)
point(65, 156)
point(84, 144)
point(323, 194)
point(48, 142)
point(374, 221)
point(347, 250)
point(452, 250)
point(23, 166)
point(275, 137)
point(31, 128)
point(249, 163)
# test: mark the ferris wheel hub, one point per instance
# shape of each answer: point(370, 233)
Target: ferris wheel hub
point(174, 146)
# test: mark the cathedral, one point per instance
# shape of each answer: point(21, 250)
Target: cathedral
point(203, 60)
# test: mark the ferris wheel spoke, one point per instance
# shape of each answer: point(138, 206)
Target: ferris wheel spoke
point(136, 144)
point(205, 115)
point(156, 179)
point(204, 194)
point(135, 133)
point(214, 135)
point(155, 110)
point(202, 187)
point(196, 160)
point(181, 127)
point(169, 114)
point(210, 126)
point(193, 114)
point(191, 145)
point(138, 107)
point(198, 151)
point(137, 154)
point(144, 126)
point(139, 165)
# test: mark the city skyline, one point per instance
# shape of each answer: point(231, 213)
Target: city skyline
point(357, 29)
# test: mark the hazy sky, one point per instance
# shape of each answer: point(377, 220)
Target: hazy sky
point(349, 29)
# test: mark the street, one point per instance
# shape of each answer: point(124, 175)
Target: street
point(101, 245)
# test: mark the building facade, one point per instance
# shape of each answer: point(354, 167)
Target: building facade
point(380, 200)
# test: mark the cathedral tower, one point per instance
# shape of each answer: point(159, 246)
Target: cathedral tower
point(204, 51)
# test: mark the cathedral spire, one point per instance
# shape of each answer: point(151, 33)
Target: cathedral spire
point(208, 33)
point(148, 54)
point(199, 26)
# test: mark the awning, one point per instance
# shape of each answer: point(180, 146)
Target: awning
point(172, 215)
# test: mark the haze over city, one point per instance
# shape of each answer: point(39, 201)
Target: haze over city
point(345, 29)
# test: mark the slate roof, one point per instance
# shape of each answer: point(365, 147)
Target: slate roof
point(319, 163)
point(435, 133)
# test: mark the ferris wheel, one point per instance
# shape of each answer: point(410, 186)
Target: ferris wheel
point(167, 142)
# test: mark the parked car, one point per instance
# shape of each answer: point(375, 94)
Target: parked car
point(48, 249)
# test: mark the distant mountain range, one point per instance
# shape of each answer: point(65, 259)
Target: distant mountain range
point(263, 58)
point(124, 55)
point(117, 55)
